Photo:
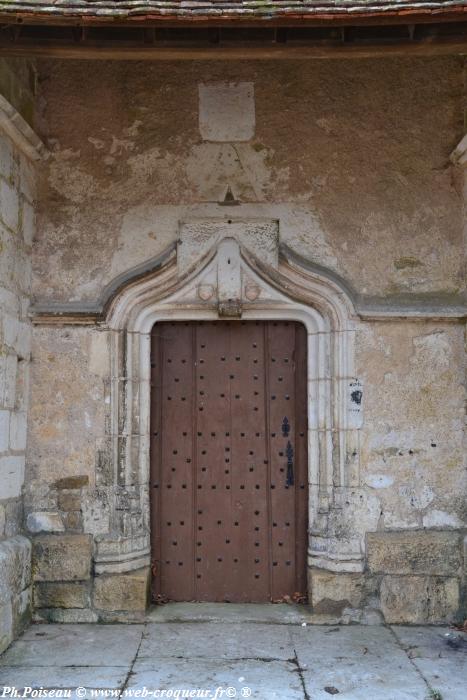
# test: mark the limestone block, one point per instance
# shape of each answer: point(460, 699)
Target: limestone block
point(6, 156)
point(73, 521)
point(419, 599)
point(62, 557)
point(27, 178)
point(127, 591)
point(18, 426)
point(65, 615)
point(16, 335)
point(441, 518)
point(69, 500)
point(122, 616)
point(367, 616)
point(72, 482)
point(9, 301)
point(15, 567)
point(23, 340)
point(99, 354)
point(9, 205)
point(51, 594)
point(11, 476)
point(4, 432)
point(96, 512)
point(13, 517)
point(198, 236)
point(227, 111)
point(28, 223)
point(44, 522)
point(8, 371)
point(38, 495)
point(22, 609)
point(332, 592)
point(23, 270)
point(6, 626)
point(118, 547)
point(22, 386)
point(10, 327)
point(431, 552)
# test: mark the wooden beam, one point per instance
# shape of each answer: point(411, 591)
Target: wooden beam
point(417, 16)
point(120, 51)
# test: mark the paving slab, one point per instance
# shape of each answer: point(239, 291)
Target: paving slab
point(440, 654)
point(288, 660)
point(215, 641)
point(61, 677)
point(75, 645)
point(356, 663)
point(253, 679)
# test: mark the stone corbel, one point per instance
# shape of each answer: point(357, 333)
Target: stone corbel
point(459, 154)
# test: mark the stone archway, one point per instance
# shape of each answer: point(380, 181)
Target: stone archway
point(225, 279)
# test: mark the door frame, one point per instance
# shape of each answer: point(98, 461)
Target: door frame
point(289, 291)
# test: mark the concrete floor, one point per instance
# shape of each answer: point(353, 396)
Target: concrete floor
point(235, 652)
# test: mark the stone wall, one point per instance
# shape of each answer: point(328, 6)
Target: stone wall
point(352, 159)
point(16, 237)
point(361, 183)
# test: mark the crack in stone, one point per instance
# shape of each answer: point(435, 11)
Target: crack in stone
point(299, 669)
point(132, 664)
point(401, 646)
point(228, 659)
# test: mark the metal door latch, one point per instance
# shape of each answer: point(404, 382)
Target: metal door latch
point(285, 427)
point(289, 453)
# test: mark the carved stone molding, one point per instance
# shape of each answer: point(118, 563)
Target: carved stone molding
point(19, 131)
point(459, 154)
point(416, 306)
point(229, 280)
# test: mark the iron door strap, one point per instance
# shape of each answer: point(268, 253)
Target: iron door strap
point(285, 427)
point(289, 453)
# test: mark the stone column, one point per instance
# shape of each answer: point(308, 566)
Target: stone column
point(19, 146)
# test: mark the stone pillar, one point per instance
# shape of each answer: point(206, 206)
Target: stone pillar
point(18, 146)
point(459, 160)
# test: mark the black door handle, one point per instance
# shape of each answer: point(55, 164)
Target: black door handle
point(289, 453)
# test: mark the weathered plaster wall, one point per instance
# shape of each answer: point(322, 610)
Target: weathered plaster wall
point(16, 236)
point(352, 158)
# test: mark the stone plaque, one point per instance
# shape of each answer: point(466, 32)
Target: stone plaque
point(198, 236)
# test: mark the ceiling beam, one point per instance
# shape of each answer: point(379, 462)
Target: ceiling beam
point(113, 50)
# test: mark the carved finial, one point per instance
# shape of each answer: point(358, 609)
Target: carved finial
point(229, 278)
point(229, 199)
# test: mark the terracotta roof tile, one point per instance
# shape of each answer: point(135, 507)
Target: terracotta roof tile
point(219, 9)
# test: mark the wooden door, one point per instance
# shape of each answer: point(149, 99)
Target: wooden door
point(229, 487)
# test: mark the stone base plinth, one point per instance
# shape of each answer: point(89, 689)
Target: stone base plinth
point(15, 588)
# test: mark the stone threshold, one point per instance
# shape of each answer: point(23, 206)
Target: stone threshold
point(263, 613)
